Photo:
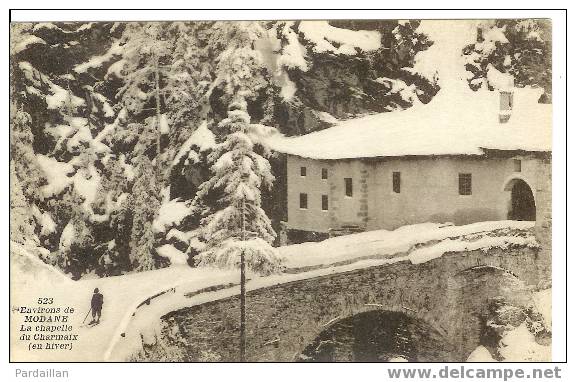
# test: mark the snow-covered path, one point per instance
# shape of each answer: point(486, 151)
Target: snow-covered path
point(127, 319)
point(122, 294)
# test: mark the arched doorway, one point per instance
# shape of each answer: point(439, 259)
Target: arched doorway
point(378, 336)
point(522, 205)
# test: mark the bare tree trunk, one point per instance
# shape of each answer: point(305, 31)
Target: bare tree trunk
point(157, 80)
point(89, 106)
point(243, 290)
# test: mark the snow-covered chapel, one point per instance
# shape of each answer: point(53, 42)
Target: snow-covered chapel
point(464, 157)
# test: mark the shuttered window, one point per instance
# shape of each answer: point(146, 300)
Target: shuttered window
point(465, 184)
point(348, 186)
point(324, 202)
point(304, 201)
point(396, 182)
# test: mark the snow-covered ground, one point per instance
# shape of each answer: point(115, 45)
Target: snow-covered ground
point(126, 320)
point(31, 279)
point(384, 243)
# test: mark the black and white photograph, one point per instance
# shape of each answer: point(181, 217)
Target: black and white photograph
point(272, 190)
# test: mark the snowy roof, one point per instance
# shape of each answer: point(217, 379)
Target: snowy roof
point(446, 126)
point(458, 121)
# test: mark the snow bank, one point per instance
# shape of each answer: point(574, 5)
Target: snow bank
point(30, 270)
point(422, 255)
point(519, 345)
point(389, 244)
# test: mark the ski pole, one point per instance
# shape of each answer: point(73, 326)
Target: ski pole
point(87, 315)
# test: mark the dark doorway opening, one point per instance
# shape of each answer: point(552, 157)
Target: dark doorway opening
point(522, 205)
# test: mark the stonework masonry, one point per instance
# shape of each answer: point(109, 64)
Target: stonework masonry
point(450, 294)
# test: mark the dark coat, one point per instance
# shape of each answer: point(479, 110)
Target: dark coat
point(97, 301)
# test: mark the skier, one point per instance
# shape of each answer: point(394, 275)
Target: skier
point(97, 302)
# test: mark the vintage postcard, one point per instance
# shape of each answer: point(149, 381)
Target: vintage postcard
point(289, 191)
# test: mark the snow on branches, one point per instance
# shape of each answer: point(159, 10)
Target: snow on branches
point(239, 224)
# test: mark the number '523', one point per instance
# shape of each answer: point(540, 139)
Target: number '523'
point(45, 300)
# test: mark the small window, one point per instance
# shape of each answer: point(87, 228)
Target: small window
point(324, 202)
point(324, 173)
point(465, 184)
point(348, 186)
point(304, 201)
point(302, 171)
point(396, 182)
point(517, 165)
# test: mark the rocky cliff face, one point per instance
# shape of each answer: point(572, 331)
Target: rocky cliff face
point(343, 86)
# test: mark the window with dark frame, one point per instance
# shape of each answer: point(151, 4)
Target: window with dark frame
point(348, 186)
point(517, 165)
point(396, 182)
point(465, 184)
point(324, 202)
point(304, 201)
point(302, 171)
point(324, 173)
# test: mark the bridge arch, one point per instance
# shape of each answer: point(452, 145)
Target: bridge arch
point(378, 335)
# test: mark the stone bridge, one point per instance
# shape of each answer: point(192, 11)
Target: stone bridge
point(449, 297)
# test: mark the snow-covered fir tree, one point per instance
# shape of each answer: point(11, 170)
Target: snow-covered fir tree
point(144, 202)
point(237, 223)
point(188, 78)
point(145, 51)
